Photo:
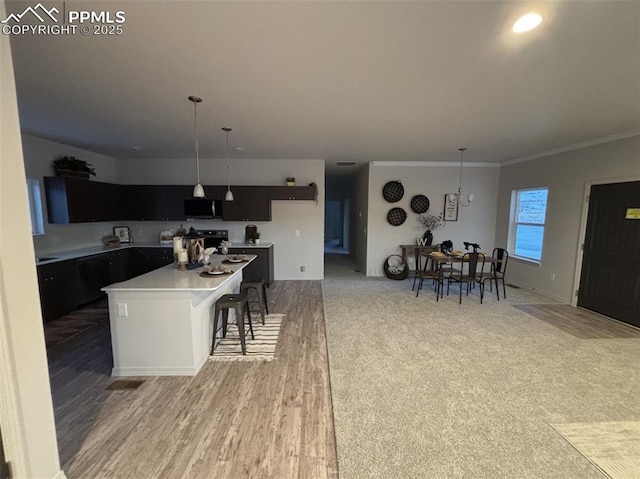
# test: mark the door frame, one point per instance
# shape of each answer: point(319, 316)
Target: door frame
point(583, 227)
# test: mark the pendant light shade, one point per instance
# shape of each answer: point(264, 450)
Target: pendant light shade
point(228, 195)
point(462, 198)
point(198, 190)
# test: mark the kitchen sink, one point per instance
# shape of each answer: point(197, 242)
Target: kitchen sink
point(45, 258)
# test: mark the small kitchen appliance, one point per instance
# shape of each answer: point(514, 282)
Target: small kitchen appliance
point(250, 233)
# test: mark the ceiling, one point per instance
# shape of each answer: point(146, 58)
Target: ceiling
point(364, 81)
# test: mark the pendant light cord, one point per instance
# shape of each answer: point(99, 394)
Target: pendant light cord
point(197, 146)
point(460, 182)
point(227, 130)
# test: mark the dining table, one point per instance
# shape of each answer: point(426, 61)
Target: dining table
point(439, 260)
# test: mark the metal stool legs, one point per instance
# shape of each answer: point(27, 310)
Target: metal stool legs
point(261, 293)
point(240, 305)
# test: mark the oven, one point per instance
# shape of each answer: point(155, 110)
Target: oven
point(213, 238)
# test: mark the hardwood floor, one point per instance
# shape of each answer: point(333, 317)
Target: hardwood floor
point(579, 322)
point(233, 420)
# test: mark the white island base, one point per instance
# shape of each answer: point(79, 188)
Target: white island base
point(162, 321)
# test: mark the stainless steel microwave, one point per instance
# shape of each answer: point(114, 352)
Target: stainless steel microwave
point(202, 208)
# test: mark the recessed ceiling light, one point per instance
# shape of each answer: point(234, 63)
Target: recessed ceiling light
point(527, 22)
point(135, 147)
point(239, 148)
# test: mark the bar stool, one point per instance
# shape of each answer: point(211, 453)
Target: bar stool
point(261, 294)
point(240, 304)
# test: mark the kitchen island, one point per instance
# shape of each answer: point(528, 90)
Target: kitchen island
point(161, 321)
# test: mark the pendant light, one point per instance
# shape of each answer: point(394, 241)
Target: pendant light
point(462, 198)
point(228, 195)
point(198, 190)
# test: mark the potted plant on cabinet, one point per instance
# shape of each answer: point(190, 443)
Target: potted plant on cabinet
point(256, 238)
point(72, 166)
point(291, 181)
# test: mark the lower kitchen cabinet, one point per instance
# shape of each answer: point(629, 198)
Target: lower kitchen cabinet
point(259, 268)
point(58, 284)
point(93, 274)
point(120, 265)
point(148, 259)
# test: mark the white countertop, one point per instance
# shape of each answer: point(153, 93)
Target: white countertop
point(169, 278)
point(91, 250)
point(263, 244)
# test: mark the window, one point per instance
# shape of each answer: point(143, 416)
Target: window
point(35, 206)
point(526, 229)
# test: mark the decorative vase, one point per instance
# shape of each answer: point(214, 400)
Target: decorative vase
point(291, 183)
point(428, 238)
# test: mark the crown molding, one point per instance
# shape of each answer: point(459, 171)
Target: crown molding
point(451, 164)
point(574, 146)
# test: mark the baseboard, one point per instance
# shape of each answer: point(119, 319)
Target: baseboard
point(60, 475)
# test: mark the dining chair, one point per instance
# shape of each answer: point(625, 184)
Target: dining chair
point(475, 267)
point(499, 260)
point(421, 255)
point(430, 271)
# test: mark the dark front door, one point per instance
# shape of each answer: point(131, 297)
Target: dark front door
point(610, 279)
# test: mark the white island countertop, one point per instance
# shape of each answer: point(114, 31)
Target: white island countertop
point(170, 278)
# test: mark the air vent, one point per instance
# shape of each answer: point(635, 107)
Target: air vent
point(346, 163)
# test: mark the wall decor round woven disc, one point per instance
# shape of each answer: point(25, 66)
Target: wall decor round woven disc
point(396, 216)
point(393, 191)
point(419, 204)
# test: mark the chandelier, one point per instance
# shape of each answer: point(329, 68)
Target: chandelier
point(464, 199)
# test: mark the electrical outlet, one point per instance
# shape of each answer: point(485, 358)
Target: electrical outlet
point(297, 232)
point(122, 310)
point(552, 276)
point(302, 269)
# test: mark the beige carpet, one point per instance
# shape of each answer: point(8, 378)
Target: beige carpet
point(262, 348)
point(614, 447)
point(426, 389)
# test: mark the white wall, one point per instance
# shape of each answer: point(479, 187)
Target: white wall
point(26, 410)
point(475, 223)
point(291, 251)
point(566, 176)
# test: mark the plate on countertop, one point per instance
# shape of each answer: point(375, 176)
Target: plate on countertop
point(211, 274)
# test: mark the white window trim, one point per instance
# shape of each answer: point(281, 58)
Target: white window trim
point(513, 223)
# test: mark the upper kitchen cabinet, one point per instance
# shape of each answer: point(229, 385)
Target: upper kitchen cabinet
point(292, 192)
point(250, 203)
point(132, 202)
point(165, 202)
point(74, 200)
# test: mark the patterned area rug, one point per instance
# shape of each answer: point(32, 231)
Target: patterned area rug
point(614, 447)
point(262, 348)
point(70, 325)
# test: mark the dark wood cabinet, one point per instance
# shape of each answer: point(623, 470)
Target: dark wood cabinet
point(132, 202)
point(259, 268)
point(165, 202)
point(120, 265)
point(292, 192)
point(75, 200)
point(58, 284)
point(251, 203)
point(148, 259)
point(93, 275)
